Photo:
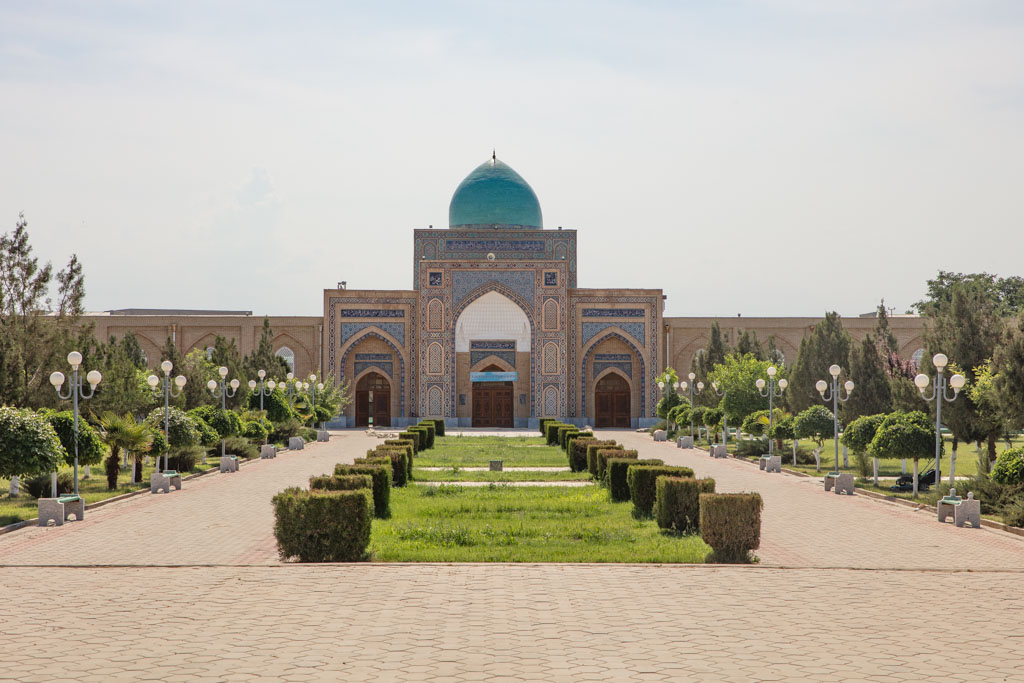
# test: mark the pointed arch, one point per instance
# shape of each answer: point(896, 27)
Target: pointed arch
point(639, 357)
point(386, 338)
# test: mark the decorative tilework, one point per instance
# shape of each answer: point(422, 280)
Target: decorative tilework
point(373, 356)
point(613, 312)
point(638, 330)
point(550, 319)
point(435, 279)
point(435, 401)
point(387, 368)
point(484, 345)
point(396, 330)
point(551, 401)
point(507, 356)
point(518, 281)
point(435, 359)
point(435, 315)
point(372, 313)
point(586, 357)
point(401, 364)
point(550, 359)
point(625, 366)
point(611, 357)
point(551, 278)
point(458, 246)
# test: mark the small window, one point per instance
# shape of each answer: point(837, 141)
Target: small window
point(288, 355)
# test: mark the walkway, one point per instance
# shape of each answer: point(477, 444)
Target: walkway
point(224, 608)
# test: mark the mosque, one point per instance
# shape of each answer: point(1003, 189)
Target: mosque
point(494, 331)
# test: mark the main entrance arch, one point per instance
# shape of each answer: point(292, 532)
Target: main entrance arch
point(492, 402)
point(611, 402)
point(373, 397)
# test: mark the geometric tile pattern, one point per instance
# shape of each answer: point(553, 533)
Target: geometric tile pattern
point(638, 330)
point(396, 330)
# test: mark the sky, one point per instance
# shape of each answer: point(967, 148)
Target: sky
point(757, 157)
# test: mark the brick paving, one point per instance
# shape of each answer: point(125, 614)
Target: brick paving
point(224, 608)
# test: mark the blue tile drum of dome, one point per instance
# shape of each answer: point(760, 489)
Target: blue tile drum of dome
point(494, 196)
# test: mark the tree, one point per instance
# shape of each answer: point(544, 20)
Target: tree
point(988, 408)
point(225, 354)
point(124, 433)
point(873, 391)
point(827, 344)
point(1006, 294)
point(264, 358)
point(717, 348)
point(1008, 380)
point(815, 423)
point(713, 421)
point(198, 370)
point(884, 336)
point(28, 444)
point(904, 435)
point(90, 445)
point(747, 343)
point(669, 399)
point(124, 388)
point(736, 376)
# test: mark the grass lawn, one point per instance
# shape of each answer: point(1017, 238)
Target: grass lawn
point(476, 451)
point(508, 524)
point(93, 490)
point(463, 475)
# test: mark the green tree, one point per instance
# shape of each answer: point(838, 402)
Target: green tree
point(717, 348)
point(883, 334)
point(1008, 379)
point(124, 388)
point(225, 354)
point(737, 377)
point(873, 391)
point(904, 435)
point(988, 407)
point(198, 370)
point(264, 358)
point(815, 423)
point(1006, 294)
point(747, 343)
point(124, 433)
point(669, 398)
point(28, 444)
point(90, 446)
point(828, 343)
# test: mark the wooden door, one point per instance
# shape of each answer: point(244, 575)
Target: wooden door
point(493, 404)
point(381, 389)
point(612, 402)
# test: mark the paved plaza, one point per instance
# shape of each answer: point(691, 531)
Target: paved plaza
point(188, 586)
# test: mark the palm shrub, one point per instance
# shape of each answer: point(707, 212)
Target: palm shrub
point(381, 475)
point(343, 482)
point(731, 524)
point(616, 470)
point(677, 502)
point(755, 423)
point(592, 450)
point(323, 526)
point(123, 433)
point(602, 460)
point(578, 452)
point(642, 481)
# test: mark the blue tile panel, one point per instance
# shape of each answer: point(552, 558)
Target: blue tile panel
point(533, 247)
point(495, 345)
point(613, 312)
point(396, 330)
point(625, 366)
point(507, 356)
point(371, 313)
point(464, 282)
point(378, 356)
point(436, 279)
point(638, 330)
point(386, 368)
point(612, 357)
point(550, 279)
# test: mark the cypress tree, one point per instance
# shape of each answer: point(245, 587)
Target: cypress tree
point(872, 394)
point(829, 343)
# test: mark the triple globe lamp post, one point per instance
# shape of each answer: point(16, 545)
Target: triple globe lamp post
point(169, 393)
point(263, 388)
point(939, 394)
point(834, 395)
point(684, 385)
point(221, 389)
point(76, 392)
point(771, 389)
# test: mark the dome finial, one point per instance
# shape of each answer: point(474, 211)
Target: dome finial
point(494, 156)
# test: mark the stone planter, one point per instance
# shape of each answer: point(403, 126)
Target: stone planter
point(323, 435)
point(296, 443)
point(268, 450)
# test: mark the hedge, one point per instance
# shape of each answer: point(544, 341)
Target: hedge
point(542, 422)
point(399, 459)
point(425, 433)
point(341, 482)
point(615, 452)
point(641, 480)
point(617, 469)
point(592, 450)
point(381, 485)
point(731, 524)
point(677, 502)
point(578, 452)
point(431, 432)
point(551, 435)
point(410, 436)
point(438, 426)
point(323, 526)
point(562, 431)
point(406, 445)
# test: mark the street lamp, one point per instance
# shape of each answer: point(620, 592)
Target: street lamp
point(769, 390)
point(291, 387)
point(315, 388)
point(940, 361)
point(835, 395)
point(179, 381)
point(75, 392)
point(265, 389)
point(221, 389)
point(689, 385)
point(725, 418)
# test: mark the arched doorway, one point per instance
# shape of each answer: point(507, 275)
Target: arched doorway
point(611, 402)
point(492, 402)
point(373, 396)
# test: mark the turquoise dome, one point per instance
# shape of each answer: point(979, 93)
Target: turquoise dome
point(494, 196)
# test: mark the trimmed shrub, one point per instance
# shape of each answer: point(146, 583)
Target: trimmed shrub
point(225, 422)
point(431, 432)
point(342, 482)
point(542, 423)
point(414, 437)
point(254, 431)
point(551, 433)
point(28, 444)
point(437, 424)
point(381, 484)
point(182, 428)
point(577, 454)
point(605, 453)
point(592, 450)
point(1009, 467)
point(642, 480)
point(208, 436)
point(406, 445)
point(399, 463)
point(616, 470)
point(731, 524)
point(562, 431)
point(184, 458)
point(323, 526)
point(677, 502)
point(424, 436)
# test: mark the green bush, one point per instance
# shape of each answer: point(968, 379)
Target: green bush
point(578, 452)
point(91, 448)
point(437, 424)
point(406, 446)
point(677, 502)
point(424, 442)
point(551, 435)
point(731, 524)
point(184, 458)
point(381, 485)
point(40, 486)
point(225, 422)
point(323, 526)
point(1009, 467)
point(592, 450)
point(904, 435)
point(275, 405)
point(28, 444)
point(344, 482)
point(680, 414)
point(697, 414)
point(642, 480)
point(816, 423)
point(784, 429)
point(412, 436)
point(753, 425)
point(208, 436)
point(399, 463)
point(751, 447)
point(563, 431)
point(604, 454)
point(280, 432)
point(241, 446)
point(616, 474)
point(182, 430)
point(542, 423)
point(254, 431)
point(858, 434)
point(431, 432)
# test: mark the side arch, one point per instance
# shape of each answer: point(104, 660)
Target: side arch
point(639, 357)
point(384, 337)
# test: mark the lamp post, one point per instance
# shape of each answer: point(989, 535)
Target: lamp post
point(75, 392)
point(684, 385)
point(835, 395)
point(940, 361)
point(725, 418)
point(315, 388)
point(179, 381)
point(663, 387)
point(769, 389)
point(221, 389)
point(291, 388)
point(265, 389)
